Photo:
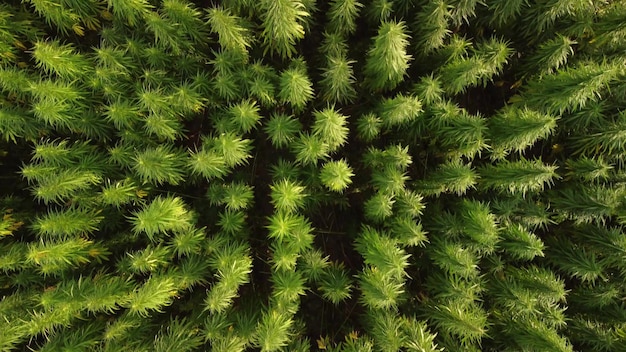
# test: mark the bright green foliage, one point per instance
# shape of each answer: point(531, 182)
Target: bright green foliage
point(379, 207)
point(160, 216)
point(452, 177)
point(387, 59)
point(488, 60)
point(232, 221)
point(314, 264)
point(284, 258)
point(131, 11)
point(577, 262)
point(233, 265)
point(480, 226)
point(122, 114)
point(386, 329)
point(287, 227)
point(521, 244)
point(368, 126)
point(187, 242)
point(400, 110)
point(467, 322)
point(66, 223)
point(159, 165)
point(298, 175)
point(61, 60)
point(462, 134)
point(429, 90)
point(342, 16)
point(518, 177)
point(455, 259)
point(587, 169)
point(389, 180)
point(225, 86)
point(330, 128)
point(295, 86)
point(516, 129)
point(587, 203)
point(553, 54)
point(234, 149)
point(380, 252)
point(287, 196)
point(530, 292)
point(336, 175)
point(287, 286)
point(576, 86)
point(178, 336)
point(608, 140)
point(334, 44)
point(418, 338)
point(186, 17)
point(408, 231)
point(53, 257)
point(14, 81)
point(232, 35)
point(164, 33)
point(237, 196)
point(503, 11)
point(64, 17)
point(309, 149)
point(282, 129)
point(335, 284)
point(282, 23)
point(162, 126)
point(273, 330)
point(463, 10)
point(148, 260)
point(245, 116)
point(432, 22)
point(395, 156)
point(208, 164)
point(263, 90)
point(15, 124)
point(59, 185)
point(378, 290)
point(338, 80)
point(153, 295)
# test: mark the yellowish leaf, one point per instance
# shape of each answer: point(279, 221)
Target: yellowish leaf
point(515, 99)
point(322, 342)
point(78, 29)
point(20, 45)
point(106, 15)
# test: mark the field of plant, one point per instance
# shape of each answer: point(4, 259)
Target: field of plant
point(309, 175)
